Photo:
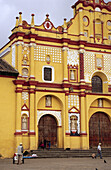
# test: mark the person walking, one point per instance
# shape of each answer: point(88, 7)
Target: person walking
point(20, 153)
point(99, 153)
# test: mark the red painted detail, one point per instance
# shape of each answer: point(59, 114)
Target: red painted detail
point(82, 94)
point(73, 108)
point(54, 91)
point(18, 133)
point(18, 91)
point(48, 25)
point(49, 110)
point(68, 134)
point(100, 107)
point(31, 133)
point(32, 82)
point(98, 94)
point(27, 109)
point(8, 76)
point(50, 85)
point(18, 82)
point(102, 31)
point(83, 134)
point(16, 35)
point(81, 66)
point(65, 85)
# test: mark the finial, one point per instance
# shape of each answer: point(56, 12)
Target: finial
point(17, 22)
point(20, 18)
point(47, 16)
point(65, 25)
point(32, 21)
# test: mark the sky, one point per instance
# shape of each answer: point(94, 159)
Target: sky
point(9, 9)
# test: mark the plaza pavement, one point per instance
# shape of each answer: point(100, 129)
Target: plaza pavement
point(58, 164)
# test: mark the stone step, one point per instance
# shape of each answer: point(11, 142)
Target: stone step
point(61, 153)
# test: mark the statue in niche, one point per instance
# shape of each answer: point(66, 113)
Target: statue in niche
point(100, 103)
point(24, 123)
point(48, 100)
point(73, 123)
point(72, 76)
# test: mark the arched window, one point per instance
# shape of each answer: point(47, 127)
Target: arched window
point(24, 122)
point(96, 84)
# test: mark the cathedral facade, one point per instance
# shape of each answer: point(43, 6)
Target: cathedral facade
point(62, 93)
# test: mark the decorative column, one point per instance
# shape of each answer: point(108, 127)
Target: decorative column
point(91, 27)
point(19, 57)
point(32, 61)
point(67, 141)
point(18, 133)
point(82, 103)
point(81, 32)
point(104, 29)
point(83, 121)
point(65, 70)
point(94, 29)
point(32, 117)
point(81, 57)
point(65, 52)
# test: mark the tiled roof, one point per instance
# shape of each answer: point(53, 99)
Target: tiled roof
point(7, 69)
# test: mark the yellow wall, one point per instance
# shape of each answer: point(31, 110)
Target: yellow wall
point(7, 117)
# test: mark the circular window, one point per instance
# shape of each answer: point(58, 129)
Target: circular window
point(85, 21)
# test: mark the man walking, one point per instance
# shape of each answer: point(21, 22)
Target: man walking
point(20, 153)
point(99, 153)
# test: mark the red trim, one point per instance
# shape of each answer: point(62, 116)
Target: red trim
point(76, 69)
point(83, 134)
point(98, 94)
point(18, 133)
point(31, 133)
point(102, 31)
point(81, 66)
point(19, 82)
point(94, 29)
point(48, 110)
point(100, 107)
point(8, 76)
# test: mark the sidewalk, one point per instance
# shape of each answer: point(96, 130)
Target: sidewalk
point(58, 164)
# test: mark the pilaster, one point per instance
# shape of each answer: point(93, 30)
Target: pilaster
point(32, 45)
point(81, 32)
point(65, 71)
point(32, 118)
point(19, 57)
point(91, 27)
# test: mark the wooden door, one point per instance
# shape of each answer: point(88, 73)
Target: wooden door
point(48, 130)
point(99, 130)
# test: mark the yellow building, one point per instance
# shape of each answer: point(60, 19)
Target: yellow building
point(63, 91)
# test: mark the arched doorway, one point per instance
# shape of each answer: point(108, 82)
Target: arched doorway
point(48, 130)
point(99, 130)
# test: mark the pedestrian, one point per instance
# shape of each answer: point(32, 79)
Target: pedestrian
point(20, 153)
point(99, 153)
point(49, 144)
